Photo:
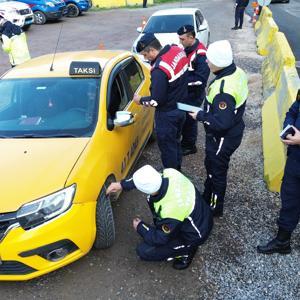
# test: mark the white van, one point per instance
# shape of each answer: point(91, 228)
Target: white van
point(17, 12)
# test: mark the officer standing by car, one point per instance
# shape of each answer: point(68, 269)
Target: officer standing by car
point(13, 42)
point(198, 73)
point(223, 120)
point(182, 220)
point(168, 86)
point(290, 188)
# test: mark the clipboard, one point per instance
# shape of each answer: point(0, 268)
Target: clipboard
point(187, 107)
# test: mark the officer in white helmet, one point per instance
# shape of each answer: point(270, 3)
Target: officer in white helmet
point(181, 219)
point(222, 117)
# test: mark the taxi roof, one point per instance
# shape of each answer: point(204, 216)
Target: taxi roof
point(40, 66)
point(176, 11)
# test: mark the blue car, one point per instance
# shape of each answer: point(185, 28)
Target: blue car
point(45, 10)
point(76, 7)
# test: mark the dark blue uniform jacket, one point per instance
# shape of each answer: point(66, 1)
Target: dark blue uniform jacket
point(200, 73)
point(293, 118)
point(9, 29)
point(168, 229)
point(222, 122)
point(164, 93)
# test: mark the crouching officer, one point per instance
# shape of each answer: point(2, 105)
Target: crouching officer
point(223, 120)
point(13, 42)
point(198, 73)
point(290, 188)
point(182, 220)
point(168, 86)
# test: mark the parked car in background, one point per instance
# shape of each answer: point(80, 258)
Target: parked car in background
point(17, 13)
point(45, 10)
point(165, 23)
point(76, 7)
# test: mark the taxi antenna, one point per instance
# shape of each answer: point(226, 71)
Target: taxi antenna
point(51, 67)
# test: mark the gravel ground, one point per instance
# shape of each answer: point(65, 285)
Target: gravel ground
point(227, 265)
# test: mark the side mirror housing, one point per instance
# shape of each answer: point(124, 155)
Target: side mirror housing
point(123, 118)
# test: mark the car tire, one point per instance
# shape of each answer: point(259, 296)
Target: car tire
point(73, 10)
point(105, 225)
point(26, 27)
point(39, 18)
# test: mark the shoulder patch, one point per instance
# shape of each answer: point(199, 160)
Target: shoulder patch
point(166, 229)
point(222, 105)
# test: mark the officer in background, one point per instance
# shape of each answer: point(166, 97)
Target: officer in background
point(240, 6)
point(168, 86)
point(223, 120)
point(13, 42)
point(182, 220)
point(198, 73)
point(290, 188)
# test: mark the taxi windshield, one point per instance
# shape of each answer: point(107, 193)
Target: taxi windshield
point(48, 107)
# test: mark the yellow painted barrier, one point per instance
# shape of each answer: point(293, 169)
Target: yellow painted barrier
point(273, 115)
point(265, 13)
point(118, 3)
point(280, 55)
point(266, 36)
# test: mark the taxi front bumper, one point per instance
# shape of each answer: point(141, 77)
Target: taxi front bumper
point(25, 254)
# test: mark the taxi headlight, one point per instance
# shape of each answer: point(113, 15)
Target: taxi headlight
point(50, 4)
point(37, 212)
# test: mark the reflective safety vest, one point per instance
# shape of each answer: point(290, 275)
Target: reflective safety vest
point(179, 201)
point(200, 50)
point(16, 47)
point(173, 63)
point(235, 85)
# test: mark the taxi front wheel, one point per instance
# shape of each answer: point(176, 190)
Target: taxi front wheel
point(105, 225)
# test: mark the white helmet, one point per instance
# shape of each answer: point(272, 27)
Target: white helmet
point(147, 179)
point(220, 54)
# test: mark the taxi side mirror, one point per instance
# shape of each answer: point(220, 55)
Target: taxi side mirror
point(123, 118)
point(139, 29)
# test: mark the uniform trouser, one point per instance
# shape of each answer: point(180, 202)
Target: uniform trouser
point(189, 132)
point(218, 152)
point(168, 127)
point(239, 16)
point(144, 3)
point(290, 196)
point(169, 251)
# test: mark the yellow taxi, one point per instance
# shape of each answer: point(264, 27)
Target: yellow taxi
point(68, 127)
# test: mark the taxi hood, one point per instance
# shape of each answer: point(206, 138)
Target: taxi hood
point(33, 168)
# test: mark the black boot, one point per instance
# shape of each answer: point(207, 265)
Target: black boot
point(234, 28)
point(188, 150)
point(183, 262)
point(280, 244)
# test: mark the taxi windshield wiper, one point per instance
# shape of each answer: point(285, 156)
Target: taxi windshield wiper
point(30, 136)
point(62, 135)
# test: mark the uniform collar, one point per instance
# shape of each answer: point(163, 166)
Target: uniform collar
point(226, 71)
point(164, 50)
point(162, 191)
point(192, 48)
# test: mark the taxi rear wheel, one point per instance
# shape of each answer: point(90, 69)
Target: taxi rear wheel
point(105, 225)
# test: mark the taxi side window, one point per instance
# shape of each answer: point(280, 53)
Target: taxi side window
point(117, 100)
point(134, 77)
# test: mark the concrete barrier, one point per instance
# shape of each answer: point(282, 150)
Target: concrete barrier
point(280, 55)
point(265, 13)
point(273, 115)
point(266, 36)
